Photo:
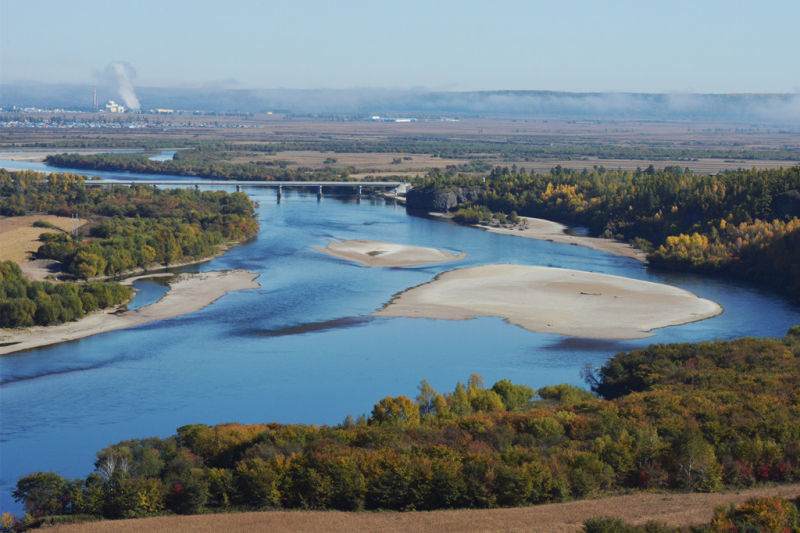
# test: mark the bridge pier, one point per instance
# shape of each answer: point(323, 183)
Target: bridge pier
point(319, 193)
point(358, 197)
point(280, 192)
point(238, 188)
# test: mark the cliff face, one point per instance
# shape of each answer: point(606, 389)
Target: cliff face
point(442, 200)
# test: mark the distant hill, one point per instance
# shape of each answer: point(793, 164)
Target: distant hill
point(747, 108)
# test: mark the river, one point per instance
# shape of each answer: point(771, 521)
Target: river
point(302, 348)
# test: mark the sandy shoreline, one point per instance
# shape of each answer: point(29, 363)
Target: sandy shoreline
point(553, 300)
point(189, 293)
point(385, 254)
point(547, 230)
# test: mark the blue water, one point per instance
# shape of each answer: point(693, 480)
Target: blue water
point(302, 348)
point(163, 155)
point(148, 291)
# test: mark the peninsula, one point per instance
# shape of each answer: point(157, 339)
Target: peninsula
point(187, 294)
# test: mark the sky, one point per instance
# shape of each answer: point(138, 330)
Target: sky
point(705, 46)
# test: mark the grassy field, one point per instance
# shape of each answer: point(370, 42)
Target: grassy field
point(670, 509)
point(181, 129)
point(19, 238)
point(314, 159)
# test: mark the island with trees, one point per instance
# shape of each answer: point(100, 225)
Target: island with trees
point(131, 229)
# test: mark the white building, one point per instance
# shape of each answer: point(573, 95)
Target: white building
point(113, 107)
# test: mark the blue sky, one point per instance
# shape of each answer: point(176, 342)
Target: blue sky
point(571, 45)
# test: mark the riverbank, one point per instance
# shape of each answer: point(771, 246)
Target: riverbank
point(553, 300)
point(386, 254)
point(187, 294)
point(547, 230)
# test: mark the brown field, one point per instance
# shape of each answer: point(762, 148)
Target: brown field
point(264, 128)
point(276, 128)
point(19, 239)
point(670, 509)
point(381, 163)
point(314, 159)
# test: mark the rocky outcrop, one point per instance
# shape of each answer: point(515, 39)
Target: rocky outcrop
point(787, 203)
point(441, 200)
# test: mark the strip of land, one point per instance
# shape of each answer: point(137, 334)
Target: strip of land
point(674, 510)
point(547, 230)
point(385, 254)
point(38, 156)
point(553, 300)
point(187, 294)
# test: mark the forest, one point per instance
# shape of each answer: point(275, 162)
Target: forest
point(198, 162)
point(41, 303)
point(689, 417)
point(135, 226)
point(130, 227)
point(734, 223)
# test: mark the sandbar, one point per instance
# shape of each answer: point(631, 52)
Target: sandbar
point(553, 300)
point(385, 254)
point(547, 230)
point(187, 294)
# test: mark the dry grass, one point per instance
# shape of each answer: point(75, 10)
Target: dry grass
point(671, 509)
point(19, 239)
point(315, 159)
point(280, 128)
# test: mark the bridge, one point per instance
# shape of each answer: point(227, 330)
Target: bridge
point(396, 186)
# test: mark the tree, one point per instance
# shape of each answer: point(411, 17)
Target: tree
point(42, 493)
point(398, 410)
point(514, 397)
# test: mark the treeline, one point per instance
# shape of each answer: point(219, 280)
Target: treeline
point(729, 223)
point(696, 417)
point(108, 142)
point(198, 162)
point(133, 227)
point(41, 303)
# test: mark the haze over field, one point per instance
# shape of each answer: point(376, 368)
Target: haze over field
point(681, 60)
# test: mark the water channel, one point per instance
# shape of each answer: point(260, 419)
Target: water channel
point(303, 347)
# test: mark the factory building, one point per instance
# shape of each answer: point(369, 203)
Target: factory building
point(113, 107)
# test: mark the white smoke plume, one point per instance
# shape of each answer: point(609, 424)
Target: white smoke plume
point(122, 74)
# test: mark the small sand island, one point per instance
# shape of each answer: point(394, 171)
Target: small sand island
point(553, 300)
point(188, 293)
point(547, 230)
point(385, 254)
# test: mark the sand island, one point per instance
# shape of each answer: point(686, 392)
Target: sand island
point(548, 230)
point(385, 254)
point(553, 300)
point(188, 293)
